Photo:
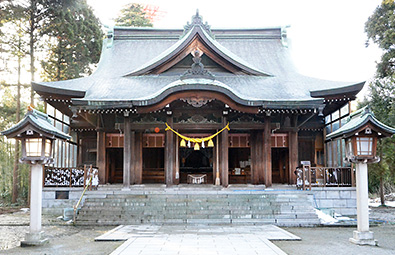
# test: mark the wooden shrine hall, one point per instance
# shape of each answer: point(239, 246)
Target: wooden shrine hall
point(197, 105)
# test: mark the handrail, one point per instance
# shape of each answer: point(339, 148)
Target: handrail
point(308, 176)
point(82, 195)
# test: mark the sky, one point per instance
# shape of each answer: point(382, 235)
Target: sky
point(326, 38)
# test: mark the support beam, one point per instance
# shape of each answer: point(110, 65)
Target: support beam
point(257, 157)
point(138, 158)
point(267, 152)
point(101, 156)
point(127, 153)
point(254, 157)
point(293, 156)
point(133, 158)
point(224, 155)
point(177, 161)
point(169, 155)
point(260, 157)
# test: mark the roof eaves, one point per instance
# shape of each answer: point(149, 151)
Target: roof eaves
point(42, 88)
point(351, 89)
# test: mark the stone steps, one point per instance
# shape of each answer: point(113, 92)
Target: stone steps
point(284, 209)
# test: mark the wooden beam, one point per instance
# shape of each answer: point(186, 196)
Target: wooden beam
point(254, 158)
point(127, 153)
point(176, 59)
point(267, 152)
point(194, 44)
point(293, 156)
point(138, 158)
point(169, 155)
point(224, 155)
point(219, 60)
point(196, 93)
point(101, 156)
point(260, 159)
point(90, 119)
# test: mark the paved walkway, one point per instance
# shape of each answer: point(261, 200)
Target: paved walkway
point(218, 240)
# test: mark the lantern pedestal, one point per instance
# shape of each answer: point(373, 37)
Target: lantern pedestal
point(35, 235)
point(362, 236)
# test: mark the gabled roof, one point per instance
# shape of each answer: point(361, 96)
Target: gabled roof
point(359, 121)
point(139, 66)
point(39, 122)
point(197, 37)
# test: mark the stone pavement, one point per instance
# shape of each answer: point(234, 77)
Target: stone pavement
point(182, 239)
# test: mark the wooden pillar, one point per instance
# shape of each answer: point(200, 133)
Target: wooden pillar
point(260, 159)
point(177, 161)
point(101, 156)
point(79, 150)
point(257, 157)
point(224, 155)
point(127, 153)
point(254, 168)
point(169, 154)
point(267, 152)
point(137, 158)
point(132, 157)
point(293, 155)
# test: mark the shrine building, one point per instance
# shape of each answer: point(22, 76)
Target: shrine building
point(220, 106)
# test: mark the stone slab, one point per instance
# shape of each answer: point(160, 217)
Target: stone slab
point(125, 232)
point(187, 239)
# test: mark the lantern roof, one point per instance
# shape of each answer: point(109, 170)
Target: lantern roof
point(38, 122)
point(360, 120)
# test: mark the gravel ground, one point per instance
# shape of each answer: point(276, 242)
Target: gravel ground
point(334, 240)
point(63, 238)
point(66, 239)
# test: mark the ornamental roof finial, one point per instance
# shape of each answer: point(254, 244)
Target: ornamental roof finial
point(197, 20)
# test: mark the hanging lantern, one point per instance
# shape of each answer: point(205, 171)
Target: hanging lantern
point(196, 147)
point(210, 143)
point(189, 144)
point(203, 144)
point(183, 143)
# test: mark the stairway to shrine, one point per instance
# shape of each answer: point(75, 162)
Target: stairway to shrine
point(282, 208)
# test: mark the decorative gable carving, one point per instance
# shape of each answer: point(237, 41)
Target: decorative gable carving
point(197, 69)
point(197, 102)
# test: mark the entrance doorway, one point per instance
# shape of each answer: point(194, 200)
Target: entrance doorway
point(280, 173)
point(153, 165)
point(196, 162)
point(239, 165)
point(115, 165)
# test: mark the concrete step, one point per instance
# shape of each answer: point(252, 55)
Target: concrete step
point(285, 209)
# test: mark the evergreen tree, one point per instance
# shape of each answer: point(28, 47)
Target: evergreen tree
point(380, 28)
point(75, 41)
point(132, 15)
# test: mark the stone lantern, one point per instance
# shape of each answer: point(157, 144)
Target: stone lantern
point(361, 134)
point(37, 135)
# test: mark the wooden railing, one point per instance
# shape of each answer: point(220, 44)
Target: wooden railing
point(308, 177)
point(69, 176)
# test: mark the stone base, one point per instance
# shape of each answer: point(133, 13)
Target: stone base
point(363, 238)
point(34, 239)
